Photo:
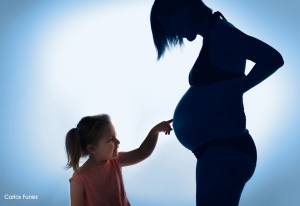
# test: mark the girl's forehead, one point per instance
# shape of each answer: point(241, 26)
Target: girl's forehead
point(109, 129)
point(107, 132)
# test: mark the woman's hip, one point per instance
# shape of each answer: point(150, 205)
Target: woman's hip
point(224, 163)
point(243, 143)
point(221, 176)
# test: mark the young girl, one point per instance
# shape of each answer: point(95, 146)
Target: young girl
point(99, 180)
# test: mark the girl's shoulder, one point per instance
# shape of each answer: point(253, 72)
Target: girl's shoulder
point(116, 162)
point(84, 173)
point(78, 177)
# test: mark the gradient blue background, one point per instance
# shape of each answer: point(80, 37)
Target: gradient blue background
point(62, 60)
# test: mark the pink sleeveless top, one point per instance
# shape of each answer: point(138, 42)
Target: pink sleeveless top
point(102, 185)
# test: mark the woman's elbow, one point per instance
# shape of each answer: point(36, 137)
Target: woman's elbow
point(279, 60)
point(273, 60)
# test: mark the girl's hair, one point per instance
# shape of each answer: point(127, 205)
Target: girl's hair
point(88, 131)
point(165, 7)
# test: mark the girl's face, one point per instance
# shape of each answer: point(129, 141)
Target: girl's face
point(107, 147)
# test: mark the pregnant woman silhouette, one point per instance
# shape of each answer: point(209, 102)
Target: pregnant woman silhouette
point(209, 119)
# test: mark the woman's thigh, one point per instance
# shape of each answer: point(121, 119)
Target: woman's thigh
point(221, 175)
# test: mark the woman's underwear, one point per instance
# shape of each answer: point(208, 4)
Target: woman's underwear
point(243, 143)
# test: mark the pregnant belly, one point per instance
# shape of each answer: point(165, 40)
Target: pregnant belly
point(198, 118)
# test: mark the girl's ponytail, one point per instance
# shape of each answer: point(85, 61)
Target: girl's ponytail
point(73, 149)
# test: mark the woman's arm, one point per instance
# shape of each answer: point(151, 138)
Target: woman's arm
point(267, 59)
point(77, 194)
point(147, 147)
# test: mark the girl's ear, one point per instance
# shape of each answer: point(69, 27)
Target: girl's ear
point(90, 148)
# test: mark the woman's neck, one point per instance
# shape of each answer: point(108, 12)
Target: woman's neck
point(203, 26)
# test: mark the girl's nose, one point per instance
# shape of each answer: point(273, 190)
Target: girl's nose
point(117, 142)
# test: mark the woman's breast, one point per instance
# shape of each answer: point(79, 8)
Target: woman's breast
point(197, 118)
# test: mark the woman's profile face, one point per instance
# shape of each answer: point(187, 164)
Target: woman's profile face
point(177, 24)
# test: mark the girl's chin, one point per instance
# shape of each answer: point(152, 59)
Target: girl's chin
point(115, 153)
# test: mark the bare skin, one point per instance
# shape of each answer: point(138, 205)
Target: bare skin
point(107, 149)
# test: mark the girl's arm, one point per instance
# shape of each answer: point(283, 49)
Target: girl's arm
point(147, 147)
point(77, 194)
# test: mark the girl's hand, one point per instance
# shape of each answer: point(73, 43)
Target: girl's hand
point(147, 147)
point(163, 127)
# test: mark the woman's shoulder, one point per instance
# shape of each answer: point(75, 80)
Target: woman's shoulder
point(224, 35)
point(221, 23)
point(223, 28)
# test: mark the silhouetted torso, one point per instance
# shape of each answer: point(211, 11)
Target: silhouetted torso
point(196, 122)
point(204, 72)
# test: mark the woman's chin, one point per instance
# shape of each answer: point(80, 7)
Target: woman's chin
point(191, 38)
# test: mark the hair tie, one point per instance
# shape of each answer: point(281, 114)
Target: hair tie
point(77, 129)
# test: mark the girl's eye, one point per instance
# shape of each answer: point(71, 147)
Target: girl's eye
point(110, 140)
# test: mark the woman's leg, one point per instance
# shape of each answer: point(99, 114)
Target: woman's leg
point(221, 175)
